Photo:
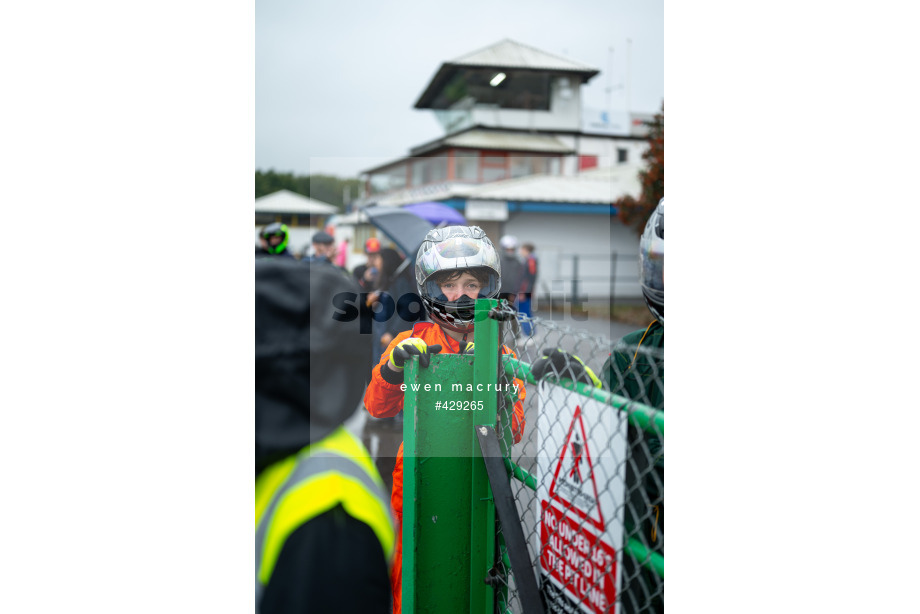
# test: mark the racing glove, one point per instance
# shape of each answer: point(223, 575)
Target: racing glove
point(559, 364)
point(411, 346)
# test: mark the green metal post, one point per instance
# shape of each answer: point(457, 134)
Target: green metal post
point(438, 503)
point(410, 496)
point(482, 510)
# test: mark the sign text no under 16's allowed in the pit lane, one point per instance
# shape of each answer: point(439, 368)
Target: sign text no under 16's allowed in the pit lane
point(582, 485)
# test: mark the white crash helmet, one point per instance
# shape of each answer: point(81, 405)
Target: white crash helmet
point(448, 249)
point(651, 262)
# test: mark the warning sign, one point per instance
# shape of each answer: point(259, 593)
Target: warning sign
point(573, 482)
point(577, 559)
point(580, 494)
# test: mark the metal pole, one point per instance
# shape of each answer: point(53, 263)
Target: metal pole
point(613, 279)
point(575, 299)
point(482, 506)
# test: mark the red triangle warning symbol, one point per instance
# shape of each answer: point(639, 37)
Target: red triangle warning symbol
point(573, 481)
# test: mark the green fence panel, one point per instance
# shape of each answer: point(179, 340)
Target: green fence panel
point(452, 560)
point(437, 505)
point(482, 510)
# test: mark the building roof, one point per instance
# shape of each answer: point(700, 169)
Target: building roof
point(505, 54)
point(600, 186)
point(285, 201)
point(511, 54)
point(493, 139)
point(594, 186)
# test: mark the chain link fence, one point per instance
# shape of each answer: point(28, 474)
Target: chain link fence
point(588, 474)
point(568, 519)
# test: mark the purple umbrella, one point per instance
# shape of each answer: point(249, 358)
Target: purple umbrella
point(438, 214)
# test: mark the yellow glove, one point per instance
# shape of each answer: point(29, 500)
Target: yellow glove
point(411, 346)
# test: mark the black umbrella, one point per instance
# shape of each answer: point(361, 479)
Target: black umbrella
point(406, 229)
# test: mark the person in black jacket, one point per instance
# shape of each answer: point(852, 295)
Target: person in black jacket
point(324, 530)
point(366, 274)
point(512, 270)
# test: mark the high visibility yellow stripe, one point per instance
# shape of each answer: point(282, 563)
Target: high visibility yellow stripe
point(319, 494)
point(339, 441)
point(269, 481)
point(342, 442)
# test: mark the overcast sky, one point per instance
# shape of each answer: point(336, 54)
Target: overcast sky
point(335, 82)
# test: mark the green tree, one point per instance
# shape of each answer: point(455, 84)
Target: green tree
point(635, 212)
point(270, 181)
point(325, 188)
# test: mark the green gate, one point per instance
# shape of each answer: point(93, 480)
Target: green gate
point(456, 556)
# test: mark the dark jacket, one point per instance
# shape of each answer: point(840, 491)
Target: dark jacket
point(635, 370)
point(529, 278)
point(262, 253)
point(512, 273)
point(400, 289)
point(310, 374)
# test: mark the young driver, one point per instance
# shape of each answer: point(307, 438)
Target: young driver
point(455, 265)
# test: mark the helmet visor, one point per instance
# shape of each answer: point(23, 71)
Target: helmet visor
point(480, 282)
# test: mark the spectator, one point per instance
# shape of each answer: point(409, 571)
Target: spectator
point(393, 288)
point(322, 518)
point(339, 256)
point(273, 241)
point(341, 253)
point(323, 247)
point(512, 270)
point(454, 266)
point(366, 274)
point(635, 370)
point(528, 286)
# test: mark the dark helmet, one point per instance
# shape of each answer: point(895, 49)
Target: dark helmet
point(651, 262)
point(454, 248)
point(276, 229)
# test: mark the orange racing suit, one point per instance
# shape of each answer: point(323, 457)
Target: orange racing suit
point(383, 400)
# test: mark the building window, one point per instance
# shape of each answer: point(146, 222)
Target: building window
point(522, 166)
point(429, 170)
point(419, 171)
point(494, 167)
point(622, 155)
point(466, 165)
point(387, 180)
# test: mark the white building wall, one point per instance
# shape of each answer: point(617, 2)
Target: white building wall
point(604, 148)
point(557, 237)
point(526, 120)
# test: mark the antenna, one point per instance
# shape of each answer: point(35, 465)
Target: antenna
point(610, 81)
point(610, 87)
point(628, 47)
